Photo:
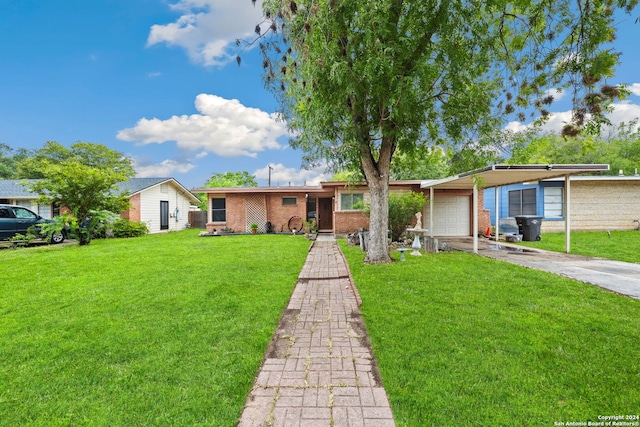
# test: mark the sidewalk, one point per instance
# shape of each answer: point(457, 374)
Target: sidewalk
point(319, 369)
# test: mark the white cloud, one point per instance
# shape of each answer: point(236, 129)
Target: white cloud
point(635, 89)
point(557, 94)
point(163, 169)
point(283, 176)
point(207, 28)
point(224, 127)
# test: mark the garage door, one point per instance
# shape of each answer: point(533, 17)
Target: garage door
point(452, 216)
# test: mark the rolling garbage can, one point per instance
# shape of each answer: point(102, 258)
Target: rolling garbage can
point(529, 227)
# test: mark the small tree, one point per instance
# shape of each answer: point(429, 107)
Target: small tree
point(227, 179)
point(83, 181)
point(402, 209)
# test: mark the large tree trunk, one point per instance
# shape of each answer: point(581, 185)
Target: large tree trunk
point(377, 175)
point(378, 249)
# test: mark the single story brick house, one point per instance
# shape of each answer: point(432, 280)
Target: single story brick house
point(162, 203)
point(608, 202)
point(331, 204)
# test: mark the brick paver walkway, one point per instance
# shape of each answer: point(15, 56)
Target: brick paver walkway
point(319, 370)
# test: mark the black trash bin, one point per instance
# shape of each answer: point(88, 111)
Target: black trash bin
point(529, 227)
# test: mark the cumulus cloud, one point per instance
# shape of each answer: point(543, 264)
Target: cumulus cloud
point(284, 176)
point(222, 126)
point(162, 169)
point(207, 28)
point(635, 89)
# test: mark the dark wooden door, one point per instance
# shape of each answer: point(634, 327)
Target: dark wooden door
point(325, 213)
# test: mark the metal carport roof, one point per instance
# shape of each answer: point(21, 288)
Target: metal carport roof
point(499, 175)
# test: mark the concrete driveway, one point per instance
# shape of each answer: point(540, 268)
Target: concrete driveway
point(620, 277)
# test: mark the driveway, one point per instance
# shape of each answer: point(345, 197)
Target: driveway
point(620, 277)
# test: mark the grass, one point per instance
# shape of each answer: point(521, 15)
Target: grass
point(465, 340)
point(616, 245)
point(159, 330)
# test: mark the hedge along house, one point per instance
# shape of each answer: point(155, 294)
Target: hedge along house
point(610, 202)
point(161, 203)
point(496, 176)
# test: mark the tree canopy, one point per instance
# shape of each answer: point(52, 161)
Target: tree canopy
point(358, 80)
point(81, 179)
point(231, 179)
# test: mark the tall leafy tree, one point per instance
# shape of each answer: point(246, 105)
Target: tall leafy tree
point(231, 179)
point(226, 179)
point(87, 153)
point(83, 180)
point(358, 80)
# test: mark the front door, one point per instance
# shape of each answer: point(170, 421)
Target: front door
point(164, 215)
point(325, 213)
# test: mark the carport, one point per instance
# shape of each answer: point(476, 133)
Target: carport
point(498, 175)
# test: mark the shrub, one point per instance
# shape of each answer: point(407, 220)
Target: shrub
point(402, 209)
point(121, 228)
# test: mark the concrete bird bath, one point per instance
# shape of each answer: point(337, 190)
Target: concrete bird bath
point(418, 232)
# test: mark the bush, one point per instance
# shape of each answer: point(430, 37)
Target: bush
point(402, 210)
point(121, 228)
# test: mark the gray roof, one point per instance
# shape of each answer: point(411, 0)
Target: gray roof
point(136, 185)
point(14, 189)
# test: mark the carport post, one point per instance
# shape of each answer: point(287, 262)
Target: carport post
point(497, 212)
point(431, 196)
point(475, 216)
point(567, 213)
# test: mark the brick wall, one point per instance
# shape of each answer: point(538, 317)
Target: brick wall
point(133, 214)
point(601, 205)
point(280, 215)
point(276, 213)
point(349, 221)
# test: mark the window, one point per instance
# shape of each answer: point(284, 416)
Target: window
point(44, 211)
point(553, 202)
point(218, 210)
point(23, 213)
point(522, 202)
point(348, 200)
point(289, 201)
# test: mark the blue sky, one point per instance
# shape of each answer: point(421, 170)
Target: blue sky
point(157, 80)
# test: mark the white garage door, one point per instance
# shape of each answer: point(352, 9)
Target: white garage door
point(451, 216)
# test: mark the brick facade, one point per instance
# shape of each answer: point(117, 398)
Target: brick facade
point(600, 205)
point(241, 202)
point(349, 221)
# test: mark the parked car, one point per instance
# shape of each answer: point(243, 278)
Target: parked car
point(17, 220)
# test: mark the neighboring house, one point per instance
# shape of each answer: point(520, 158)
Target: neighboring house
point(597, 202)
point(161, 203)
point(14, 192)
point(334, 205)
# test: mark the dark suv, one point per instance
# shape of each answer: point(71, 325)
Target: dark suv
point(17, 219)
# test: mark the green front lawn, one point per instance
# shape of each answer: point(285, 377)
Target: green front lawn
point(463, 340)
point(159, 330)
point(616, 245)
point(171, 329)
